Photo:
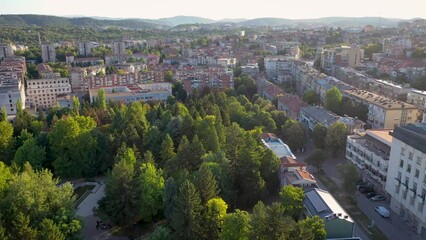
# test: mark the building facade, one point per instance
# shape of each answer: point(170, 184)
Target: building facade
point(370, 151)
point(48, 53)
point(5, 51)
point(42, 93)
point(119, 48)
point(12, 87)
point(407, 175)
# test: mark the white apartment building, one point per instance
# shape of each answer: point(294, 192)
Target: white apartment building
point(417, 97)
point(406, 181)
point(42, 93)
point(370, 151)
point(119, 48)
point(396, 45)
point(341, 56)
point(6, 50)
point(48, 53)
point(278, 66)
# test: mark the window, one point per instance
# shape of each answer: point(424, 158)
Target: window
point(403, 151)
point(407, 180)
point(417, 173)
point(401, 163)
point(400, 174)
point(414, 188)
point(408, 168)
point(410, 155)
point(419, 161)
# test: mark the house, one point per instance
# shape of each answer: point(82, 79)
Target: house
point(338, 224)
point(291, 105)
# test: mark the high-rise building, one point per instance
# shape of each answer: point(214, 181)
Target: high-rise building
point(5, 51)
point(343, 56)
point(42, 93)
point(118, 48)
point(85, 48)
point(48, 53)
point(406, 177)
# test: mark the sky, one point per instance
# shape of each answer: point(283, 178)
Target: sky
point(219, 9)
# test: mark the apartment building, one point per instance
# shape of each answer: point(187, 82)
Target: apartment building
point(278, 66)
point(118, 48)
point(340, 56)
point(48, 53)
point(370, 151)
point(417, 98)
point(134, 92)
point(6, 50)
point(85, 48)
point(42, 93)
point(384, 112)
point(396, 45)
point(406, 176)
point(12, 88)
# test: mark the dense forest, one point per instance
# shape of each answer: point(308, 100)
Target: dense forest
point(193, 161)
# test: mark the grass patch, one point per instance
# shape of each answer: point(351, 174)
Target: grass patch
point(81, 193)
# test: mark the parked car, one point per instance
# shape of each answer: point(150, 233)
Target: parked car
point(371, 194)
point(365, 189)
point(382, 211)
point(378, 197)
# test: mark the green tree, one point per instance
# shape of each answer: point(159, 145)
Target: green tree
point(350, 176)
point(120, 202)
point(206, 185)
point(161, 233)
point(295, 134)
point(292, 200)
point(152, 190)
point(236, 226)
point(100, 100)
point(333, 100)
point(215, 213)
point(167, 149)
point(46, 209)
point(318, 135)
point(336, 137)
point(75, 106)
point(168, 76)
point(316, 159)
point(170, 192)
point(316, 225)
point(3, 116)
point(269, 170)
point(32, 153)
point(6, 136)
point(372, 48)
point(311, 97)
point(186, 216)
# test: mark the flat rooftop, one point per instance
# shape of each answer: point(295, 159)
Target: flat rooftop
point(379, 100)
point(381, 135)
point(278, 147)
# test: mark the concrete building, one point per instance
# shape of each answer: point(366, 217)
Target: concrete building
point(384, 112)
point(278, 66)
point(119, 48)
point(338, 224)
point(42, 93)
point(251, 69)
point(85, 48)
point(45, 71)
point(406, 181)
point(12, 88)
point(340, 56)
point(417, 98)
point(48, 53)
point(396, 45)
point(370, 151)
point(6, 50)
point(313, 115)
point(135, 92)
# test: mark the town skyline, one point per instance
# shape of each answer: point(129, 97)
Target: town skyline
point(217, 10)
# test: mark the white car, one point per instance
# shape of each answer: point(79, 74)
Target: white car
point(382, 211)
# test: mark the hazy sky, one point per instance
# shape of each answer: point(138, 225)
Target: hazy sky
point(219, 9)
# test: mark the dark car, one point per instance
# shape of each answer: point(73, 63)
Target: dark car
point(378, 197)
point(371, 194)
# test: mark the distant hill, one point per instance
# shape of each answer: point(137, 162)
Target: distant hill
point(179, 20)
point(43, 20)
point(163, 23)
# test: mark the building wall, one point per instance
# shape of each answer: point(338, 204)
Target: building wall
point(42, 93)
point(9, 99)
point(339, 228)
point(407, 168)
point(48, 53)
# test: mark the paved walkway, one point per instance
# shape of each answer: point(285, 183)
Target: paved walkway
point(85, 210)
